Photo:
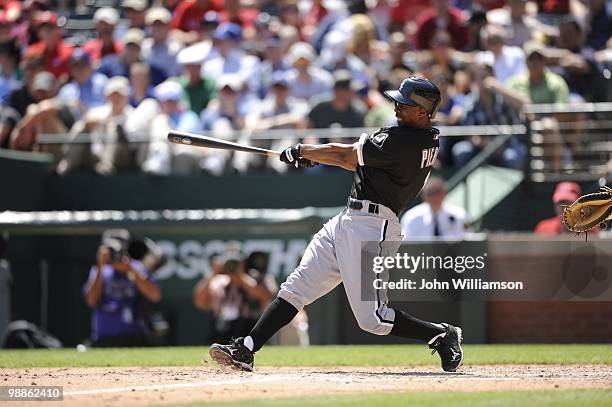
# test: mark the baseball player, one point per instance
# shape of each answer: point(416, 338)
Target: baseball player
point(391, 166)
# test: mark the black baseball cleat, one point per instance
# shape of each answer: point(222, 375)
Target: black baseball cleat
point(234, 354)
point(448, 346)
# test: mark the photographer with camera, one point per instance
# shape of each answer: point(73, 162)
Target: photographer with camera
point(116, 289)
point(234, 293)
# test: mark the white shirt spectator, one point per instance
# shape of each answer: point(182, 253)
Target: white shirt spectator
point(510, 62)
point(236, 62)
point(420, 222)
point(319, 84)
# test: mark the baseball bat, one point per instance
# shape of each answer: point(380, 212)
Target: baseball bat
point(190, 139)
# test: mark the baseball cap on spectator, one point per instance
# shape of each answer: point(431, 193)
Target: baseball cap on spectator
point(566, 191)
point(342, 79)
point(43, 81)
point(138, 5)
point(228, 31)
point(107, 15)
point(158, 14)
point(301, 50)
point(134, 36)
point(46, 18)
point(194, 54)
point(169, 91)
point(533, 47)
point(279, 79)
point(210, 19)
point(80, 55)
point(117, 84)
point(231, 81)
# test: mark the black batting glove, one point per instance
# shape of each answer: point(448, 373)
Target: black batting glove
point(291, 155)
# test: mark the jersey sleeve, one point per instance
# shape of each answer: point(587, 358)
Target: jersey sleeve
point(378, 150)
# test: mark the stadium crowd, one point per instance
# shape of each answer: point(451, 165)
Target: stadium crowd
point(145, 67)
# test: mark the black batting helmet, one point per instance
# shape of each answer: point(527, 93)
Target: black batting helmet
point(417, 91)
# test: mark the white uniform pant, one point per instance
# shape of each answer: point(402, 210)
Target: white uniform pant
point(339, 253)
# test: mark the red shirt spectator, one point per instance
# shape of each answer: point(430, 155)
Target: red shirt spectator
point(188, 15)
point(561, 7)
point(441, 17)
point(106, 19)
point(56, 54)
point(406, 10)
point(97, 50)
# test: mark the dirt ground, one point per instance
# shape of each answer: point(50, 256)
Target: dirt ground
point(137, 386)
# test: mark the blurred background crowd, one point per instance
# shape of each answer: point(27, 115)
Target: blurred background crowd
point(98, 84)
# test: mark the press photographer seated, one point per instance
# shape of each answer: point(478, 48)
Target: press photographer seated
point(117, 288)
point(235, 293)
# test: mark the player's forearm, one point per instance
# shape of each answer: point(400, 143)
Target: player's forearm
point(336, 154)
point(94, 292)
point(147, 288)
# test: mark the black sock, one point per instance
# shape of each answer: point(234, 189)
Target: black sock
point(407, 326)
point(278, 314)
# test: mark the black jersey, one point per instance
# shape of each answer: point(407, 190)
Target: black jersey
point(394, 164)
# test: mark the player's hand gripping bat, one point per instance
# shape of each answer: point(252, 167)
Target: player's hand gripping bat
point(190, 139)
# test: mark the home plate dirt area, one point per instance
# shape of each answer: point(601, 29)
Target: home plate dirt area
point(138, 386)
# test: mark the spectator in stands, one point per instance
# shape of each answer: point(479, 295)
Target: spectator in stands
point(140, 81)
point(440, 17)
point(441, 54)
point(189, 13)
point(19, 99)
point(31, 11)
point(476, 22)
point(405, 11)
point(109, 151)
point(55, 53)
point(236, 296)
point(274, 61)
point(342, 110)
point(398, 48)
point(537, 85)
point(519, 25)
point(10, 75)
point(338, 52)
point(243, 15)
point(135, 11)
point(172, 115)
point(47, 116)
point(227, 57)
point(306, 81)
point(452, 104)
point(198, 90)
point(599, 23)
point(552, 11)
point(434, 217)
point(484, 106)
point(105, 18)
point(507, 61)
point(160, 51)
point(116, 289)
point(565, 194)
point(86, 90)
point(230, 109)
point(279, 110)
point(577, 64)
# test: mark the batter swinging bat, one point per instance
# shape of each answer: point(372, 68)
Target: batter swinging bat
point(190, 139)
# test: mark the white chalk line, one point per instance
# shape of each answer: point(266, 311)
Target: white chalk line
point(277, 378)
point(262, 379)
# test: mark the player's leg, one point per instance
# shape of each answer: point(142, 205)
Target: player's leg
point(316, 275)
point(369, 304)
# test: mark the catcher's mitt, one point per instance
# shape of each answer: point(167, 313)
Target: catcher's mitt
point(588, 211)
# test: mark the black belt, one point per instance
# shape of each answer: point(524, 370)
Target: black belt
point(354, 204)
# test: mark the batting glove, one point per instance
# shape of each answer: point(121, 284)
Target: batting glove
point(291, 155)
